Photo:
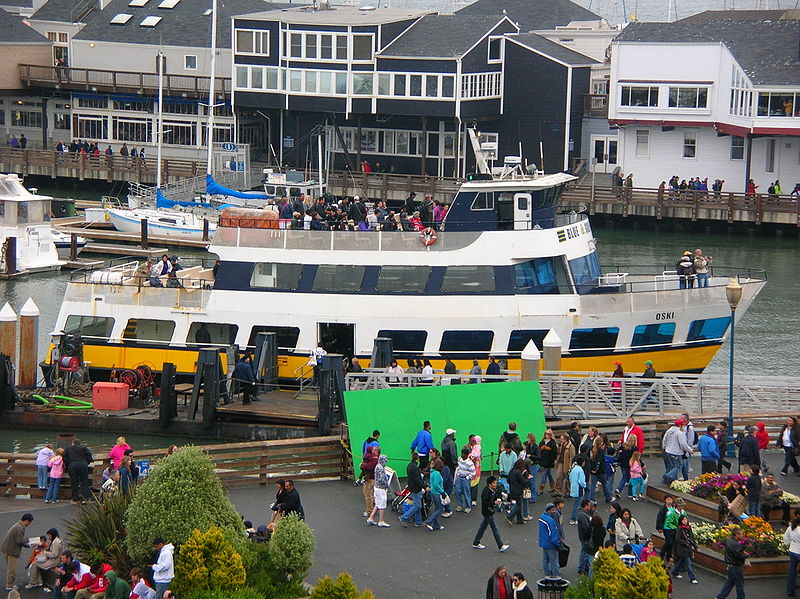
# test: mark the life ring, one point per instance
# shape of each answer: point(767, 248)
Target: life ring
point(428, 236)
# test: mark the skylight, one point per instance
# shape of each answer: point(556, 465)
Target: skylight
point(121, 19)
point(137, 2)
point(168, 3)
point(207, 12)
point(150, 21)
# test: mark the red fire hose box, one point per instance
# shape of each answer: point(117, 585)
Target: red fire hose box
point(110, 396)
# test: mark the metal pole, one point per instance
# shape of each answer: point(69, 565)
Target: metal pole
point(160, 125)
point(594, 169)
point(731, 445)
point(319, 160)
point(211, 98)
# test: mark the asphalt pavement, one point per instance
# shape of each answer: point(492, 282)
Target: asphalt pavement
point(413, 562)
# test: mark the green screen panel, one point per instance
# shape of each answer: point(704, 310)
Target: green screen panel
point(483, 409)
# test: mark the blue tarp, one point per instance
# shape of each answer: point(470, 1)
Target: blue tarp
point(163, 202)
point(214, 188)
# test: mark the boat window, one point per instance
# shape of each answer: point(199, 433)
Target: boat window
point(286, 337)
point(599, 338)
point(541, 275)
point(403, 279)
point(472, 345)
point(89, 326)
point(711, 328)
point(519, 339)
point(585, 272)
point(483, 201)
point(145, 329)
point(653, 334)
point(22, 213)
point(338, 277)
point(276, 276)
point(270, 189)
point(217, 333)
point(468, 279)
point(406, 341)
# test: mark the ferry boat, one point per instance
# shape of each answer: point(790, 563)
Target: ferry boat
point(503, 269)
point(25, 216)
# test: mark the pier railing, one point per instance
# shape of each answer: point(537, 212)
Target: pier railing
point(237, 464)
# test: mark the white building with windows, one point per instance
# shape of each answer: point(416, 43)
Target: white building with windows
point(712, 96)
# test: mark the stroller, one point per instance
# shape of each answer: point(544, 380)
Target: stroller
point(402, 501)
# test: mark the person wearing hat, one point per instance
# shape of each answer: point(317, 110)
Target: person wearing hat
point(549, 541)
point(685, 270)
point(450, 450)
point(671, 520)
point(11, 548)
point(649, 371)
point(675, 448)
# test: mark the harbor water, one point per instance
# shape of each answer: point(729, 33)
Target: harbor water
point(767, 339)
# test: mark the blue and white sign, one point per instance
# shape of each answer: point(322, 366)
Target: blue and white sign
point(144, 467)
point(229, 147)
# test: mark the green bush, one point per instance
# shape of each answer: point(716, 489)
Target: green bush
point(270, 582)
point(98, 533)
point(342, 588)
point(207, 560)
point(645, 581)
point(291, 547)
point(583, 589)
point(243, 593)
point(608, 572)
point(182, 493)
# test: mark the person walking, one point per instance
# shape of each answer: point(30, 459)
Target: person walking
point(499, 585)
point(532, 457)
point(564, 459)
point(465, 472)
point(517, 483)
point(549, 541)
point(163, 569)
point(422, 444)
point(490, 499)
point(416, 486)
point(380, 491)
point(762, 436)
point(11, 548)
point(585, 533)
point(77, 458)
point(577, 487)
point(548, 450)
point(661, 518)
point(627, 530)
point(624, 453)
point(748, 450)
point(436, 483)
point(791, 538)
point(722, 446)
point(735, 561)
point(475, 455)
point(709, 450)
point(505, 464)
point(521, 588)
point(245, 375)
point(671, 528)
point(753, 486)
point(450, 450)
point(636, 472)
point(598, 470)
point(368, 472)
point(789, 441)
point(675, 447)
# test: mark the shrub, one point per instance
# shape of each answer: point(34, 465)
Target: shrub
point(646, 581)
point(181, 494)
point(608, 573)
point(98, 532)
point(342, 588)
point(208, 561)
point(291, 547)
point(243, 593)
point(583, 589)
point(270, 582)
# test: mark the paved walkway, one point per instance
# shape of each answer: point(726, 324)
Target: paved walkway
point(412, 563)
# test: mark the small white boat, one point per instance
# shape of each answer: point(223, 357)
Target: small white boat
point(63, 243)
point(25, 217)
point(160, 222)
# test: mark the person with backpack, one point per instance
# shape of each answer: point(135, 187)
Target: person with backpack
point(512, 438)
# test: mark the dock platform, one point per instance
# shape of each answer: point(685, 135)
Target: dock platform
point(124, 250)
point(113, 235)
point(273, 407)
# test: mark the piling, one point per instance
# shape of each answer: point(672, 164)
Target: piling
point(145, 244)
point(552, 351)
point(530, 362)
point(28, 344)
point(73, 247)
point(11, 256)
point(8, 332)
point(205, 229)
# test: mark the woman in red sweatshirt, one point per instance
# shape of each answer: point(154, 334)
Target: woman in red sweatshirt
point(762, 436)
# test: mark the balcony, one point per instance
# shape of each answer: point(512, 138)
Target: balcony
point(96, 80)
point(595, 105)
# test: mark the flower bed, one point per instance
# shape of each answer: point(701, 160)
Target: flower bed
point(760, 539)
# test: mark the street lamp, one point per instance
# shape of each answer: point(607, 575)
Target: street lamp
point(733, 292)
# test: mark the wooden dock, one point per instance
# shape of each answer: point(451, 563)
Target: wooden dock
point(108, 249)
point(274, 407)
point(119, 236)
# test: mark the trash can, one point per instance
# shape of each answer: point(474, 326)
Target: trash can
point(552, 588)
point(69, 208)
point(62, 208)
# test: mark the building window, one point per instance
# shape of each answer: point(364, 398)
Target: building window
point(190, 62)
point(448, 86)
point(362, 47)
point(690, 144)
point(134, 105)
point(642, 143)
point(495, 49)
point(132, 129)
point(91, 127)
point(249, 41)
point(326, 47)
point(480, 85)
point(688, 97)
point(639, 96)
point(60, 120)
point(362, 84)
point(26, 118)
point(341, 47)
point(93, 103)
point(770, 163)
point(241, 76)
point(737, 147)
point(180, 133)
point(776, 104)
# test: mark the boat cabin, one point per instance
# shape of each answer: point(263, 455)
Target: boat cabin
point(19, 207)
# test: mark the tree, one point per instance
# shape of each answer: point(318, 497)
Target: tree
point(342, 588)
point(207, 560)
point(292, 545)
point(181, 494)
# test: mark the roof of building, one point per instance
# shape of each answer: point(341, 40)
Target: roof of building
point(14, 29)
point(57, 10)
point(738, 15)
point(766, 50)
point(553, 50)
point(532, 14)
point(17, 3)
point(185, 24)
point(337, 15)
point(442, 36)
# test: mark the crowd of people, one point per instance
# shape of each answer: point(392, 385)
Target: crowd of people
point(354, 214)
point(575, 467)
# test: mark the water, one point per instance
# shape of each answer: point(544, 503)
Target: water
point(29, 441)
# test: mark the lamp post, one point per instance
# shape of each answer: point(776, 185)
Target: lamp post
point(733, 292)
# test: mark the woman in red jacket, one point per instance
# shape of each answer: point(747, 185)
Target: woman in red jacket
point(762, 436)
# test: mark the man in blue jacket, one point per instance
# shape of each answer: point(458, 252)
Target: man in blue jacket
point(245, 374)
point(422, 444)
point(549, 541)
point(709, 451)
